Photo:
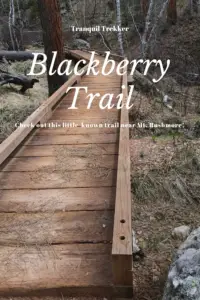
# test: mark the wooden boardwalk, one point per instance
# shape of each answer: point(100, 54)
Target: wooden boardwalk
point(65, 206)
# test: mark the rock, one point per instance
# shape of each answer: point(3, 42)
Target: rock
point(81, 44)
point(130, 80)
point(197, 129)
point(138, 253)
point(184, 275)
point(181, 232)
point(136, 248)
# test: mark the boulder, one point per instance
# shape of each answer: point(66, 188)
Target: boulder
point(184, 276)
point(81, 44)
point(181, 232)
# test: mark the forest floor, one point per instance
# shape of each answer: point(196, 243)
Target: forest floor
point(15, 107)
point(165, 185)
point(166, 162)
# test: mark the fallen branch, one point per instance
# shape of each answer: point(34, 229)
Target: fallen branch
point(18, 55)
point(25, 82)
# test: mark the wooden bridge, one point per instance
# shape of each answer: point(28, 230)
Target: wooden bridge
point(65, 199)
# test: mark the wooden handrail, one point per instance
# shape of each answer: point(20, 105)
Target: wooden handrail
point(122, 234)
point(42, 114)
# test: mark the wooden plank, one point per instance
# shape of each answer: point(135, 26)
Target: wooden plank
point(76, 130)
point(80, 150)
point(106, 85)
point(72, 139)
point(96, 85)
point(113, 88)
point(82, 105)
point(83, 292)
point(59, 179)
point(72, 162)
point(87, 114)
point(75, 199)
point(101, 54)
point(80, 292)
point(83, 111)
point(83, 122)
point(56, 228)
point(15, 139)
point(24, 269)
point(122, 234)
point(80, 54)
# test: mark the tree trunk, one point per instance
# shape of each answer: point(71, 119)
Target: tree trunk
point(119, 23)
point(172, 12)
point(144, 4)
point(20, 27)
point(53, 39)
point(10, 21)
point(195, 6)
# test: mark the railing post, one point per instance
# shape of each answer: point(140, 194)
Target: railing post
point(122, 234)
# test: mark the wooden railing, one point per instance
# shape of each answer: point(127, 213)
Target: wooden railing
point(40, 115)
point(122, 234)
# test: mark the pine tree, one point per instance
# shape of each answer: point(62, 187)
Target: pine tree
point(172, 12)
point(53, 39)
point(145, 5)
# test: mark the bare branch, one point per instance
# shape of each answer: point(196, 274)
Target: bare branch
point(132, 16)
point(104, 41)
point(158, 19)
point(73, 12)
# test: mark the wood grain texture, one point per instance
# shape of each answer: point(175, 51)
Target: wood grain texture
point(72, 139)
point(56, 228)
point(83, 114)
point(54, 200)
point(86, 121)
point(44, 267)
point(44, 179)
point(81, 150)
point(72, 162)
point(122, 235)
point(76, 130)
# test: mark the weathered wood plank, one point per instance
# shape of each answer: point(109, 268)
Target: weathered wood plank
point(83, 103)
point(56, 228)
point(89, 114)
point(75, 199)
point(81, 122)
point(34, 268)
point(72, 162)
point(79, 150)
point(75, 130)
point(60, 179)
point(72, 139)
